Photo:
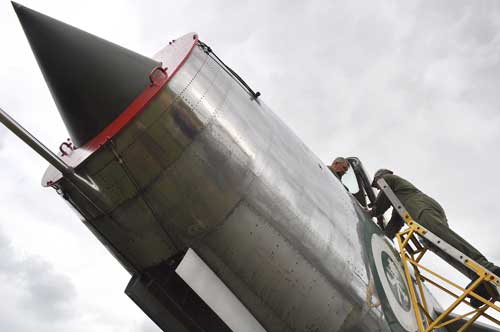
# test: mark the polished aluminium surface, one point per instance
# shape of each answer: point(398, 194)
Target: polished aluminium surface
point(208, 167)
point(215, 293)
point(173, 56)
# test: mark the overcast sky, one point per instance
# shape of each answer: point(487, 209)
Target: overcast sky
point(406, 85)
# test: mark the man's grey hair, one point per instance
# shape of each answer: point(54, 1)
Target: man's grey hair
point(340, 160)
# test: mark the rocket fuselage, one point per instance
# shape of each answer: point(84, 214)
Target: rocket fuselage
point(196, 161)
point(205, 166)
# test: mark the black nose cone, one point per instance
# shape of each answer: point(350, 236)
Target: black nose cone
point(91, 80)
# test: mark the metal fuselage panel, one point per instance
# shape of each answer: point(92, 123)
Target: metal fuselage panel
point(206, 166)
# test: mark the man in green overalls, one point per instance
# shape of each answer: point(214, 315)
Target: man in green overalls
point(427, 212)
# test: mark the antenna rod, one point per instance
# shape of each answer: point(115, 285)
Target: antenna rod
point(35, 144)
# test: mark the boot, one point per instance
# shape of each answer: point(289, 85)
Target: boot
point(481, 291)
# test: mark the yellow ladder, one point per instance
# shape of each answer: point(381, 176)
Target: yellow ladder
point(412, 252)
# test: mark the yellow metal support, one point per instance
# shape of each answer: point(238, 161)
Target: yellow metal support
point(457, 318)
point(409, 281)
point(473, 319)
point(412, 257)
point(454, 305)
point(421, 290)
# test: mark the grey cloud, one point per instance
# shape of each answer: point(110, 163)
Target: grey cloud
point(33, 286)
point(49, 294)
point(7, 263)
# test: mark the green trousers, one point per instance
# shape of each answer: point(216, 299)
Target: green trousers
point(435, 221)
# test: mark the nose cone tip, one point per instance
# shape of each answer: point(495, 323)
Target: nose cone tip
point(18, 8)
point(91, 80)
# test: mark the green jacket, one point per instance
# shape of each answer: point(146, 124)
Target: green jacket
point(415, 201)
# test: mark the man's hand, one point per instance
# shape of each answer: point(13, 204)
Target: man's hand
point(380, 219)
point(366, 210)
point(380, 223)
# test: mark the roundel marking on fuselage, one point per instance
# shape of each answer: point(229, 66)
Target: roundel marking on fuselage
point(390, 282)
point(396, 282)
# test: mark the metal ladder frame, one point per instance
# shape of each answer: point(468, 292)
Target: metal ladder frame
point(412, 255)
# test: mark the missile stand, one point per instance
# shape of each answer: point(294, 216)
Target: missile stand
point(414, 242)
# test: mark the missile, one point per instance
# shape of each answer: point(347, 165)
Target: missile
point(211, 203)
point(91, 80)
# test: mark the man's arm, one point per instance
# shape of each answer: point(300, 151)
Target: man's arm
point(394, 225)
point(381, 205)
